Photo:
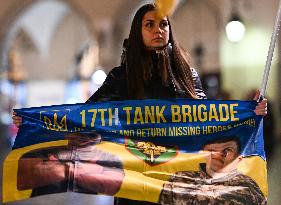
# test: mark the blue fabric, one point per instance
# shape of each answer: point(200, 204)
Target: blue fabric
point(187, 124)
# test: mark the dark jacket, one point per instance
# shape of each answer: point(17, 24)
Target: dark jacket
point(115, 88)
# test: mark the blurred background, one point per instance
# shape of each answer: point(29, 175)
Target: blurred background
point(59, 51)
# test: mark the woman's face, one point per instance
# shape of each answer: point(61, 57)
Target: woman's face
point(155, 31)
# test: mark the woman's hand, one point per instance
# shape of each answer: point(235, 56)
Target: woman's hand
point(261, 108)
point(17, 120)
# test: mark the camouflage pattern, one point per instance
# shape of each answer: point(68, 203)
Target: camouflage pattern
point(197, 187)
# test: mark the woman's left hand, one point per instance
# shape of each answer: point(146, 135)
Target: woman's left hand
point(261, 108)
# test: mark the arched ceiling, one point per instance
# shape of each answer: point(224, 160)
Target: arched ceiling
point(92, 11)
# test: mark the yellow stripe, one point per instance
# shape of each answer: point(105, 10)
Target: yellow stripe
point(10, 171)
point(255, 167)
point(142, 181)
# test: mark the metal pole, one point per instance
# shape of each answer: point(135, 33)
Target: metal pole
point(270, 52)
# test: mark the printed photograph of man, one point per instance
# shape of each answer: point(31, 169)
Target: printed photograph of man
point(78, 167)
point(217, 182)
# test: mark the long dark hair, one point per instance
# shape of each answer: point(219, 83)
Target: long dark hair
point(137, 60)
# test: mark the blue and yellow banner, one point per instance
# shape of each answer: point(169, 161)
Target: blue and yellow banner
point(164, 151)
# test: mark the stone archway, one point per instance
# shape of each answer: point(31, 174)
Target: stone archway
point(201, 26)
point(16, 8)
point(93, 13)
point(37, 53)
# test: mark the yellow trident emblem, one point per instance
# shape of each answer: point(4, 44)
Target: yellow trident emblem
point(151, 149)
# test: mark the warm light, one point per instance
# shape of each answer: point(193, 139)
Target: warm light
point(235, 31)
point(99, 77)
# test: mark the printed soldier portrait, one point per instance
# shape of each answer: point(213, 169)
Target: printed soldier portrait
point(217, 182)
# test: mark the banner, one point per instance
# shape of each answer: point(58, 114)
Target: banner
point(163, 151)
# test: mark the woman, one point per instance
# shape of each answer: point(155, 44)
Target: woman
point(153, 65)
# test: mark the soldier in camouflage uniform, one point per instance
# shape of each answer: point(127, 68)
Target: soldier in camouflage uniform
point(217, 182)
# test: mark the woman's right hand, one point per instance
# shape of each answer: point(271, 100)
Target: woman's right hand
point(17, 120)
